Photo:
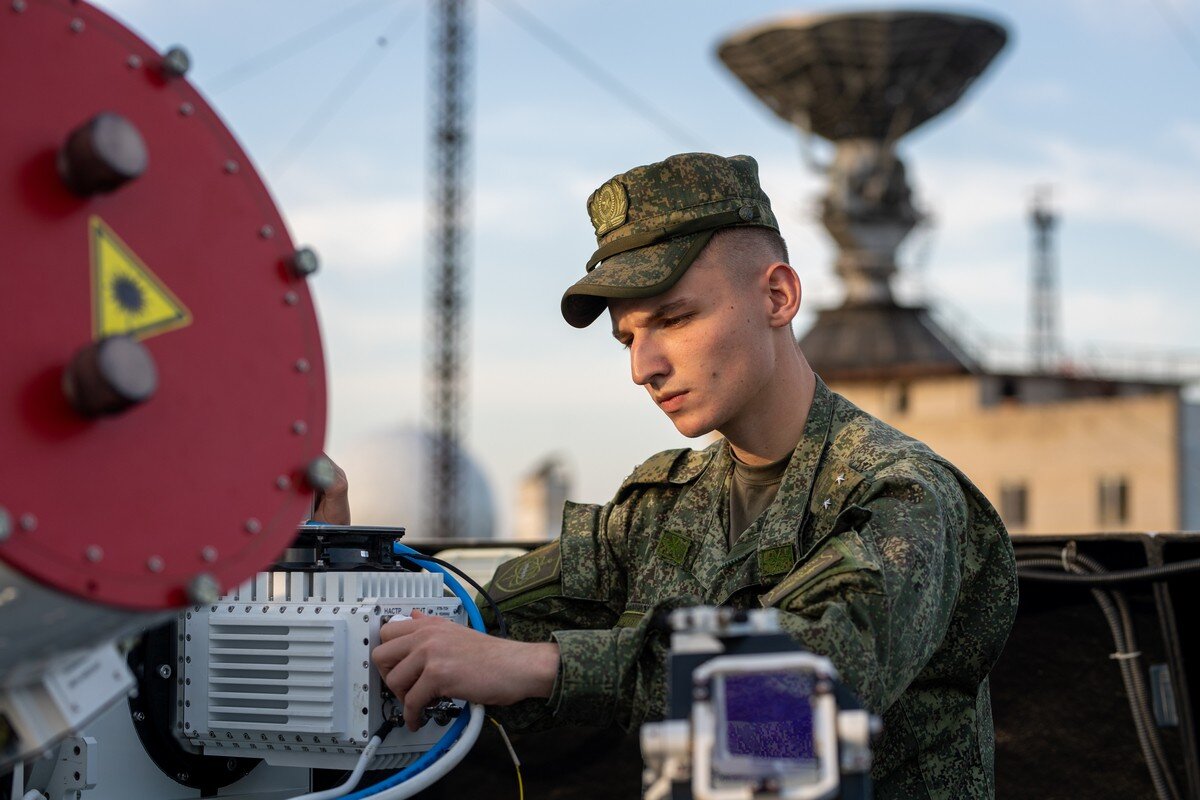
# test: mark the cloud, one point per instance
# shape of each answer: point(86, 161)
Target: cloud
point(363, 234)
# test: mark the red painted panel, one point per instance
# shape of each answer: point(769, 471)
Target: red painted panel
point(128, 509)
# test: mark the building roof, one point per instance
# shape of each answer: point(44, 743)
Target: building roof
point(882, 341)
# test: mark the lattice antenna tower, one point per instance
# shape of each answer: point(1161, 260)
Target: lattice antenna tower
point(448, 266)
point(1043, 327)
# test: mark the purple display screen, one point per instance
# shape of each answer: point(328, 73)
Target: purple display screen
point(769, 716)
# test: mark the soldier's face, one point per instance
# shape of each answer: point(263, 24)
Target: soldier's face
point(702, 349)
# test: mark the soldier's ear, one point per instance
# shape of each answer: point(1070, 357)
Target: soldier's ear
point(784, 292)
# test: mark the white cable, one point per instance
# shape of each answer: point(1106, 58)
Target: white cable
point(347, 785)
point(661, 788)
point(448, 761)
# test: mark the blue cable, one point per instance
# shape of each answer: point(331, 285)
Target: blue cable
point(455, 730)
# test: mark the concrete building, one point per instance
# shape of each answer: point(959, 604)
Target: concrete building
point(1056, 453)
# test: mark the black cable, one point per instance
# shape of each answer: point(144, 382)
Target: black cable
point(593, 71)
point(1110, 578)
point(502, 627)
point(290, 47)
point(333, 103)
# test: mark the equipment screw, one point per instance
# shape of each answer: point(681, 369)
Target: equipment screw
point(154, 564)
point(253, 525)
point(139, 716)
point(304, 262)
point(77, 25)
point(283, 482)
point(176, 62)
point(320, 474)
point(164, 671)
point(94, 553)
point(18, 6)
point(204, 588)
point(209, 554)
point(28, 523)
point(266, 232)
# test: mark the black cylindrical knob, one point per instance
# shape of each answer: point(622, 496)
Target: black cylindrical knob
point(101, 155)
point(110, 376)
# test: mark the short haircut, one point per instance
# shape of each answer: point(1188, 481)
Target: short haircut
point(747, 249)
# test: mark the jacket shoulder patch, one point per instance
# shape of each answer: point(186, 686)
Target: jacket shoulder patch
point(525, 573)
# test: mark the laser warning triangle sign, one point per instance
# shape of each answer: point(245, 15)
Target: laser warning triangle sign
point(127, 298)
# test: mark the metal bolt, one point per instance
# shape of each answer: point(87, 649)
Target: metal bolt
point(231, 166)
point(186, 109)
point(209, 554)
point(77, 25)
point(134, 62)
point(266, 231)
point(253, 525)
point(176, 62)
point(164, 671)
point(18, 6)
point(291, 298)
point(139, 716)
point(283, 482)
point(299, 427)
point(320, 474)
point(154, 564)
point(94, 553)
point(302, 365)
point(203, 588)
point(364, 665)
point(304, 262)
point(5, 524)
point(182, 776)
point(28, 523)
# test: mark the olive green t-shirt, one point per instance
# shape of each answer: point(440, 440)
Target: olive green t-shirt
point(751, 491)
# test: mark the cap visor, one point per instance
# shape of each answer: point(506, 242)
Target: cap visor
point(644, 272)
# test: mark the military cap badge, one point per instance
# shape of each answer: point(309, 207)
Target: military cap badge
point(608, 207)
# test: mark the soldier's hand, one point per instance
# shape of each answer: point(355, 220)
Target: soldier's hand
point(333, 504)
point(424, 658)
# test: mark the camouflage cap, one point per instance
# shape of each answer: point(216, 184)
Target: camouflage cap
point(651, 222)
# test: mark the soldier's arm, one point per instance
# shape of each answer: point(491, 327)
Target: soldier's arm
point(877, 593)
point(567, 592)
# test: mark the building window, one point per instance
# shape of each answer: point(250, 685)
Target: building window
point(1113, 501)
point(1014, 504)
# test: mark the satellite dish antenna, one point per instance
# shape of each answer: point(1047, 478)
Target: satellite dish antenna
point(862, 81)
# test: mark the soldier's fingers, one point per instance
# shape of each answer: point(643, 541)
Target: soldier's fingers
point(404, 673)
point(419, 695)
point(389, 654)
point(396, 629)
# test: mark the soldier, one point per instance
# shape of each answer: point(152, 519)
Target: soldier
point(880, 553)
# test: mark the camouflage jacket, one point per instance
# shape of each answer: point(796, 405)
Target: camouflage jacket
point(883, 555)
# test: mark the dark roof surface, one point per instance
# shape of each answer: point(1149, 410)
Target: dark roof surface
point(881, 341)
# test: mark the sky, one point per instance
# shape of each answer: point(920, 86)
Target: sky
point(1097, 99)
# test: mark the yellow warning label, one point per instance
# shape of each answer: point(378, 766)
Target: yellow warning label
point(127, 298)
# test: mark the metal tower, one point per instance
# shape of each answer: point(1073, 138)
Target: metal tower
point(1043, 328)
point(448, 263)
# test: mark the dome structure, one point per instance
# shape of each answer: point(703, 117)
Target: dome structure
point(388, 483)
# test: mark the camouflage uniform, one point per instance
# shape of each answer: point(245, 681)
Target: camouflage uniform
point(882, 555)
point(886, 557)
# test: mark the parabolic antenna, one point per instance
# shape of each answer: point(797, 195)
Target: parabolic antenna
point(875, 75)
